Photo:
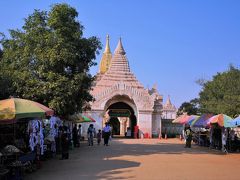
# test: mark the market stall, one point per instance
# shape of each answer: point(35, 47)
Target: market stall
point(21, 133)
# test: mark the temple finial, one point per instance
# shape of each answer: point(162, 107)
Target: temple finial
point(107, 48)
point(106, 58)
point(168, 102)
point(119, 48)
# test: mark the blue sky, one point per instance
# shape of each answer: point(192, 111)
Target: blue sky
point(172, 42)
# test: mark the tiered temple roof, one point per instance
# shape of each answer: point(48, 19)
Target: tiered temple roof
point(118, 71)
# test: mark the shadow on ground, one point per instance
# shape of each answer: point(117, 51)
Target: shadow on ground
point(99, 162)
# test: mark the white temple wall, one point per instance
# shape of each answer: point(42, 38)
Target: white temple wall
point(156, 124)
point(145, 123)
point(166, 114)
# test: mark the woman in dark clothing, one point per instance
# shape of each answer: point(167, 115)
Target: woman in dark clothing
point(75, 135)
point(65, 145)
point(188, 135)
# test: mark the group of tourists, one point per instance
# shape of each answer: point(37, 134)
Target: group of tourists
point(76, 135)
point(105, 133)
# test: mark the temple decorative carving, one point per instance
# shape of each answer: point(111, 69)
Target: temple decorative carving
point(169, 111)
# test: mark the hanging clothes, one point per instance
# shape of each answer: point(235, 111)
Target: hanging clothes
point(35, 131)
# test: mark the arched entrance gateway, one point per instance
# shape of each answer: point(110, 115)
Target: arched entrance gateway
point(122, 119)
point(121, 99)
point(121, 113)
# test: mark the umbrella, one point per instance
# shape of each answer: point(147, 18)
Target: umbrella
point(202, 121)
point(79, 118)
point(187, 119)
point(222, 120)
point(192, 119)
point(16, 108)
point(88, 117)
point(181, 118)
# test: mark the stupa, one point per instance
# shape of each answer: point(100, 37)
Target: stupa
point(119, 98)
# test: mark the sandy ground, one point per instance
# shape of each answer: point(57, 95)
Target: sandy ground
point(146, 159)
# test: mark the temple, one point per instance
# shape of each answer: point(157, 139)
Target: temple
point(122, 100)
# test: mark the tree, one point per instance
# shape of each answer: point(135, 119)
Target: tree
point(49, 59)
point(5, 86)
point(5, 81)
point(222, 93)
point(191, 108)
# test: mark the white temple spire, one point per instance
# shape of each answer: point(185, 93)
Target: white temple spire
point(120, 49)
point(119, 62)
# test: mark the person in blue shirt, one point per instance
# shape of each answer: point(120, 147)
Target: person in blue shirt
point(106, 134)
point(90, 132)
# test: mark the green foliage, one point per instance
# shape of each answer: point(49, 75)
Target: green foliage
point(191, 108)
point(49, 59)
point(222, 94)
point(5, 85)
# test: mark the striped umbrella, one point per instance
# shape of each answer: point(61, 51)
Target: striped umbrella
point(181, 118)
point(192, 119)
point(221, 119)
point(202, 121)
point(16, 108)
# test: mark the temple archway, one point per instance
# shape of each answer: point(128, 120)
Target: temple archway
point(121, 115)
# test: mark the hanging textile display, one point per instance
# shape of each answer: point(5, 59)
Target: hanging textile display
point(35, 132)
point(55, 123)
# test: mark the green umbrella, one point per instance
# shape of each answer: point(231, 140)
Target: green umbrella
point(79, 118)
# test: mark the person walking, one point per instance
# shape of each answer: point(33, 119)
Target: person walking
point(90, 133)
point(188, 135)
point(99, 136)
point(74, 135)
point(224, 140)
point(106, 133)
point(79, 134)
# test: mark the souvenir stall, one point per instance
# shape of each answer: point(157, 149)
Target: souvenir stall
point(202, 130)
point(233, 135)
point(21, 134)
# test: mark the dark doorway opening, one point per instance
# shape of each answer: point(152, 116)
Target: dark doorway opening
point(121, 109)
point(114, 122)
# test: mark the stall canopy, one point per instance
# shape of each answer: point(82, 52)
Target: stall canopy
point(16, 108)
point(202, 121)
point(222, 120)
point(185, 119)
point(181, 118)
point(192, 119)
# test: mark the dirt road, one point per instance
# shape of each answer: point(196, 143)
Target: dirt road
point(146, 159)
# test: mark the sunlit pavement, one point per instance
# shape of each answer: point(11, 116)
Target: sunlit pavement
point(141, 159)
